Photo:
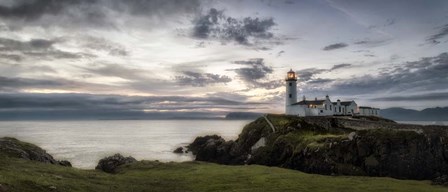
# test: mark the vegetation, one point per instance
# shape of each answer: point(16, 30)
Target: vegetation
point(24, 175)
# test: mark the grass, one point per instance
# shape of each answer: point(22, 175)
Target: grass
point(23, 175)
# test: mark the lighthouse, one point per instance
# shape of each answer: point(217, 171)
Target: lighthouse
point(291, 90)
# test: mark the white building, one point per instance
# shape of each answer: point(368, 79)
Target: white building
point(369, 111)
point(320, 107)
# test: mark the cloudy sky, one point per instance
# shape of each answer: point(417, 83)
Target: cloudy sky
point(210, 57)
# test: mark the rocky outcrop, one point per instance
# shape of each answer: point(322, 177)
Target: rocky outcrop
point(179, 150)
point(215, 149)
point(325, 145)
point(441, 180)
point(111, 163)
point(15, 148)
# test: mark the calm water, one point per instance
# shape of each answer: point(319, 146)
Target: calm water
point(83, 143)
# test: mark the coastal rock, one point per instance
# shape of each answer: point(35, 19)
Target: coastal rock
point(15, 148)
point(65, 163)
point(335, 146)
point(3, 188)
point(111, 163)
point(441, 180)
point(179, 150)
point(213, 148)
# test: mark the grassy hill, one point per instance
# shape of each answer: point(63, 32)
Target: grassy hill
point(17, 174)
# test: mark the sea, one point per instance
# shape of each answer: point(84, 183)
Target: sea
point(84, 143)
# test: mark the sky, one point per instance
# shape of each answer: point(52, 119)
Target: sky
point(211, 57)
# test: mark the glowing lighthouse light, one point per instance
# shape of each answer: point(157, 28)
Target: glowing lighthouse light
point(291, 75)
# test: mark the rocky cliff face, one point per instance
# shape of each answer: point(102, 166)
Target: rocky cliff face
point(334, 146)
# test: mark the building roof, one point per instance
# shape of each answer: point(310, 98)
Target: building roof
point(364, 107)
point(345, 103)
point(310, 102)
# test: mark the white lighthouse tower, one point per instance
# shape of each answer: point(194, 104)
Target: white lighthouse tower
point(291, 91)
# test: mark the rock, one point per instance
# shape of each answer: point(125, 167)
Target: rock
point(258, 144)
point(179, 150)
point(442, 180)
point(351, 135)
point(65, 163)
point(111, 163)
point(15, 148)
point(3, 188)
point(52, 188)
point(213, 148)
point(371, 161)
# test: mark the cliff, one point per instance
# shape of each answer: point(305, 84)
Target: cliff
point(364, 146)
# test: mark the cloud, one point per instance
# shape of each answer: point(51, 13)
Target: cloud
point(39, 48)
point(28, 105)
point(201, 79)
point(435, 38)
point(320, 81)
point(372, 43)
point(280, 53)
point(11, 57)
point(426, 74)
point(248, 31)
point(116, 70)
point(92, 13)
point(13, 83)
point(256, 74)
point(335, 46)
point(340, 66)
point(309, 73)
point(419, 97)
point(96, 43)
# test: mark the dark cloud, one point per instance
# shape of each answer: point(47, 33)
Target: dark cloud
point(247, 31)
point(40, 48)
point(335, 46)
point(309, 73)
point(372, 43)
point(11, 57)
point(420, 97)
point(11, 83)
point(435, 39)
point(280, 53)
point(31, 10)
point(256, 74)
point(201, 79)
point(31, 45)
point(320, 81)
point(340, 66)
point(94, 12)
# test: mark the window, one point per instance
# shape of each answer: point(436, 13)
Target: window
point(290, 84)
point(330, 108)
point(325, 107)
point(290, 95)
point(321, 111)
point(339, 109)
